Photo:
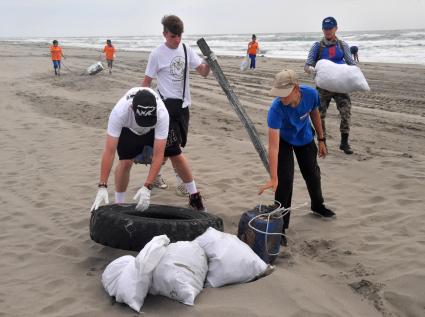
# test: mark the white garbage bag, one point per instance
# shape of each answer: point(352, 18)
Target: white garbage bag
point(245, 63)
point(129, 278)
point(180, 275)
point(339, 78)
point(95, 68)
point(230, 260)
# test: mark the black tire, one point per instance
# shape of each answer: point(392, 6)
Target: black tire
point(123, 227)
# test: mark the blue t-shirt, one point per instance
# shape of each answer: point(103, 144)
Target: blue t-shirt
point(294, 123)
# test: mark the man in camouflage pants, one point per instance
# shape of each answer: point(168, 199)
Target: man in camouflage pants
point(337, 51)
point(343, 104)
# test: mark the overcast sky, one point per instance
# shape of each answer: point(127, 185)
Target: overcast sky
point(138, 17)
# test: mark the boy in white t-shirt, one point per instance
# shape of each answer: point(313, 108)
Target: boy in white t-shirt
point(167, 64)
point(139, 119)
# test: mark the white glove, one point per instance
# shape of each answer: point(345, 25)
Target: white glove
point(144, 197)
point(102, 195)
point(311, 70)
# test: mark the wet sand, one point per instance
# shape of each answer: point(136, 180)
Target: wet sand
point(369, 261)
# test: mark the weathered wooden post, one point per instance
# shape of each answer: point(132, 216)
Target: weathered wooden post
point(234, 102)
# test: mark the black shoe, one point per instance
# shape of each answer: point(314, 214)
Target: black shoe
point(344, 146)
point(324, 212)
point(195, 202)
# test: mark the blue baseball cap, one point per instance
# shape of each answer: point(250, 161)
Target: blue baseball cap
point(329, 23)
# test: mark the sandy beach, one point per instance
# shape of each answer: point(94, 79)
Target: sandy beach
point(369, 261)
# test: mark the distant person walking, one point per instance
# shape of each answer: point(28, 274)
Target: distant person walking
point(170, 63)
point(290, 131)
point(56, 54)
point(109, 51)
point(332, 48)
point(355, 52)
point(253, 50)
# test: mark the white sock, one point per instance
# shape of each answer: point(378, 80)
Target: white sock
point(191, 187)
point(119, 198)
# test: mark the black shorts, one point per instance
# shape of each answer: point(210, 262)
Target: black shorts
point(131, 144)
point(178, 128)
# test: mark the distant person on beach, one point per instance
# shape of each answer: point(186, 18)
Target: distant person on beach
point(290, 131)
point(138, 120)
point(109, 51)
point(56, 54)
point(170, 63)
point(355, 52)
point(253, 50)
point(332, 48)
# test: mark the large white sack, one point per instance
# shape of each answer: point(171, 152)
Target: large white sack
point(339, 78)
point(95, 68)
point(230, 260)
point(246, 62)
point(129, 279)
point(180, 275)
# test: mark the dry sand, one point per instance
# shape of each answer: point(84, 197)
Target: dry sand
point(370, 261)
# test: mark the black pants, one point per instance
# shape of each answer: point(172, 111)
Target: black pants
point(130, 144)
point(307, 161)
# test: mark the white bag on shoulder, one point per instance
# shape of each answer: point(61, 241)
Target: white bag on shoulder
point(245, 63)
point(180, 275)
point(129, 278)
point(340, 78)
point(230, 260)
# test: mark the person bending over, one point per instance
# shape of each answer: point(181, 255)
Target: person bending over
point(290, 131)
point(138, 120)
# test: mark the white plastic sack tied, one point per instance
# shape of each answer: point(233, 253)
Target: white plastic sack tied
point(245, 63)
point(230, 260)
point(340, 78)
point(180, 275)
point(95, 68)
point(129, 279)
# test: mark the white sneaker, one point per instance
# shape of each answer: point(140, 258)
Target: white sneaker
point(181, 190)
point(159, 182)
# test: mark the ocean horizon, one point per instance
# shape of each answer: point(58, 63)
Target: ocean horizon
point(385, 46)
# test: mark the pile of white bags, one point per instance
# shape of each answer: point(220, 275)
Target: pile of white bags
point(230, 260)
point(181, 273)
point(129, 279)
point(180, 270)
point(340, 78)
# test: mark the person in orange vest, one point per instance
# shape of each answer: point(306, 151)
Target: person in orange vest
point(56, 53)
point(253, 50)
point(109, 51)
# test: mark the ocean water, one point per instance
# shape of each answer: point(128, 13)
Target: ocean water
point(395, 46)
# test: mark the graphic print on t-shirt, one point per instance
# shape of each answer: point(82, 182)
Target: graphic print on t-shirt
point(332, 51)
point(177, 68)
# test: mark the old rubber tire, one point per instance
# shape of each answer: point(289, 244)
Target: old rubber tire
point(123, 227)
